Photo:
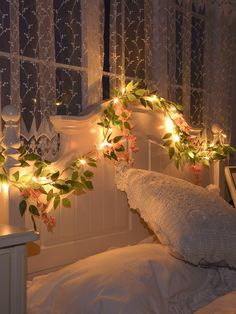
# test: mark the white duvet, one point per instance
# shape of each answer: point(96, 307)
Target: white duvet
point(132, 280)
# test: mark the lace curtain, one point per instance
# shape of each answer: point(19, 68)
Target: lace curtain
point(59, 56)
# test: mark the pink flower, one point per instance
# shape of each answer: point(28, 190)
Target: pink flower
point(107, 149)
point(49, 221)
point(182, 124)
point(117, 145)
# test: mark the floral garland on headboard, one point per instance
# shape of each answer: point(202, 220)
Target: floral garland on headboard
point(43, 187)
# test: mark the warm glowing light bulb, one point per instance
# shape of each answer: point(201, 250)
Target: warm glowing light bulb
point(169, 125)
point(116, 100)
point(82, 161)
point(176, 138)
point(154, 98)
point(123, 90)
point(104, 144)
point(58, 103)
point(34, 179)
point(5, 187)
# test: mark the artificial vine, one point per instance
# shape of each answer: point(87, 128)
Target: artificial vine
point(42, 187)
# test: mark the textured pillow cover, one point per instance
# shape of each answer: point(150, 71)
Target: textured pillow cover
point(197, 225)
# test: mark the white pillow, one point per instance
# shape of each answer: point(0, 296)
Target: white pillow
point(135, 279)
point(197, 225)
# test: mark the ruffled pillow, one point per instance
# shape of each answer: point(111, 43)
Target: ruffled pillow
point(197, 225)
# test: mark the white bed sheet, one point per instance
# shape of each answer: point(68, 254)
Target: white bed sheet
point(136, 279)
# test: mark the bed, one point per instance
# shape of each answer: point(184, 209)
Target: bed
point(171, 272)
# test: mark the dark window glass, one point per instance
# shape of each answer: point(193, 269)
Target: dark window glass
point(67, 32)
point(68, 87)
point(28, 28)
point(179, 48)
point(134, 39)
point(198, 7)
point(4, 26)
point(196, 108)
point(197, 52)
point(5, 81)
point(29, 93)
point(179, 95)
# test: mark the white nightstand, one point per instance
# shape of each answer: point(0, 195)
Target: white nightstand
point(13, 268)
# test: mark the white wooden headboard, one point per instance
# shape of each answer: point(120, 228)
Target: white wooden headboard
point(101, 218)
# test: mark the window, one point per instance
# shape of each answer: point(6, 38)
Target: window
point(187, 78)
point(124, 43)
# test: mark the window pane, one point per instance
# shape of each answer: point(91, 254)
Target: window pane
point(67, 29)
point(29, 93)
point(28, 28)
point(179, 48)
point(68, 87)
point(4, 26)
point(196, 109)
point(134, 39)
point(4, 81)
point(197, 52)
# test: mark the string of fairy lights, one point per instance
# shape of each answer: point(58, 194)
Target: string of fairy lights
point(43, 188)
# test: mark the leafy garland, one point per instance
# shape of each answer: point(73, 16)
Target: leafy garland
point(43, 187)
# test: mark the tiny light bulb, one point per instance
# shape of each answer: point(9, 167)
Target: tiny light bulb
point(103, 144)
point(58, 103)
point(123, 90)
point(116, 100)
point(5, 187)
point(34, 179)
point(154, 97)
point(176, 138)
point(169, 125)
point(82, 161)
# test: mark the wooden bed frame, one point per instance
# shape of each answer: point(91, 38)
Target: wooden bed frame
point(101, 218)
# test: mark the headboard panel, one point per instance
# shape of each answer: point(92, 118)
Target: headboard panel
point(101, 218)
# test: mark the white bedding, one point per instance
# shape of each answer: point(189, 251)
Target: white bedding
point(138, 279)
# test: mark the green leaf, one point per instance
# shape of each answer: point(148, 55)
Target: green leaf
point(22, 207)
point(88, 174)
point(2, 159)
point(23, 163)
point(131, 97)
point(120, 149)
point(31, 157)
point(89, 185)
point(191, 154)
point(117, 139)
point(34, 210)
point(56, 201)
point(66, 202)
point(127, 125)
point(50, 195)
point(113, 155)
point(167, 142)
point(3, 178)
point(78, 186)
point(55, 176)
point(171, 152)
point(140, 92)
point(143, 102)
point(206, 162)
point(38, 171)
point(129, 87)
point(166, 136)
point(16, 175)
point(92, 164)
point(75, 175)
